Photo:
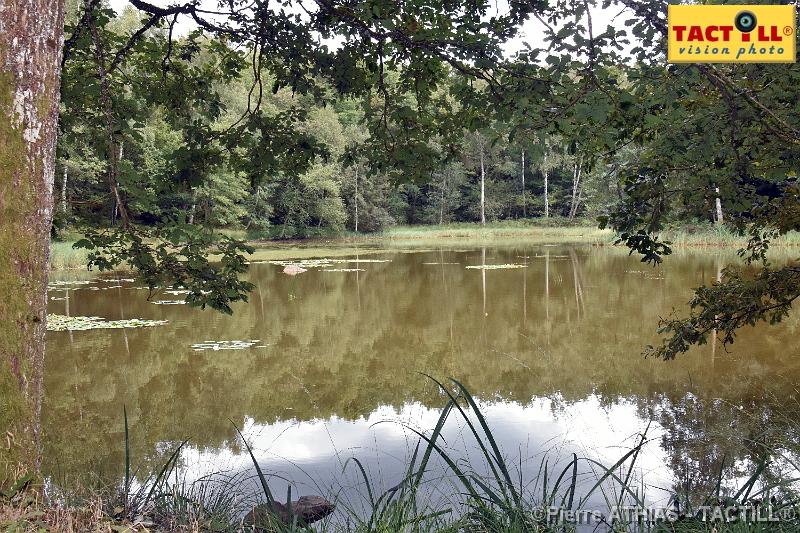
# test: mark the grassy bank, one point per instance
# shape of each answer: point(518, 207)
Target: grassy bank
point(552, 230)
point(719, 236)
point(563, 231)
point(522, 230)
point(490, 498)
point(560, 231)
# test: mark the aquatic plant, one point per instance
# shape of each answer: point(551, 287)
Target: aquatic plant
point(82, 323)
point(496, 267)
point(319, 263)
point(227, 345)
point(66, 284)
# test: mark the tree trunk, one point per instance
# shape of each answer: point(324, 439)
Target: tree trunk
point(31, 42)
point(355, 202)
point(483, 186)
point(524, 207)
point(720, 218)
point(64, 191)
point(108, 111)
point(194, 206)
point(546, 197)
point(441, 201)
point(578, 200)
point(576, 187)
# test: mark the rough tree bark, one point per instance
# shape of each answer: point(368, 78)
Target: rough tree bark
point(31, 42)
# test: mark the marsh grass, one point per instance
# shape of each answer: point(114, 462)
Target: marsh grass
point(64, 257)
point(688, 236)
point(553, 230)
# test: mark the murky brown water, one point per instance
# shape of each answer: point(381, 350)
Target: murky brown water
point(553, 351)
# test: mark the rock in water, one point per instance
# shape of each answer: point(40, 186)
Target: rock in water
point(312, 508)
point(307, 509)
point(293, 270)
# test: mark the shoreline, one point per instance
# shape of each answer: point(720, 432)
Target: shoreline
point(64, 258)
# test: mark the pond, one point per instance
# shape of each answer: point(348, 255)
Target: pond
point(328, 364)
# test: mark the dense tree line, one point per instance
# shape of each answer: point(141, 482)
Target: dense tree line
point(338, 191)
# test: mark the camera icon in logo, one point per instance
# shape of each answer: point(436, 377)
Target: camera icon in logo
point(745, 21)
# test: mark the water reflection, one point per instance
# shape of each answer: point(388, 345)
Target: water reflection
point(548, 347)
point(315, 454)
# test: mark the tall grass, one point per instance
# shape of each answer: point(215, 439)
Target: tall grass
point(719, 235)
point(526, 230)
point(64, 257)
point(550, 230)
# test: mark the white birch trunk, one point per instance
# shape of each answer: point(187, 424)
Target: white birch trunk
point(64, 190)
point(546, 197)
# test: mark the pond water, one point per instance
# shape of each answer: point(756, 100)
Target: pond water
point(327, 365)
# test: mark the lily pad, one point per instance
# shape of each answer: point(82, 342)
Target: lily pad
point(176, 292)
point(83, 323)
point(227, 345)
point(62, 284)
point(324, 262)
point(496, 267)
point(307, 263)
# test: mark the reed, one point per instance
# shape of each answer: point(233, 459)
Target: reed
point(64, 257)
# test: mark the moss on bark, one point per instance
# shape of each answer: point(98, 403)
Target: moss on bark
point(17, 249)
point(31, 34)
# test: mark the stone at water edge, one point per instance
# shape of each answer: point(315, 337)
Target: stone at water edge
point(293, 270)
point(307, 509)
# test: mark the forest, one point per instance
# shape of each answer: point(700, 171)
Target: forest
point(176, 164)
